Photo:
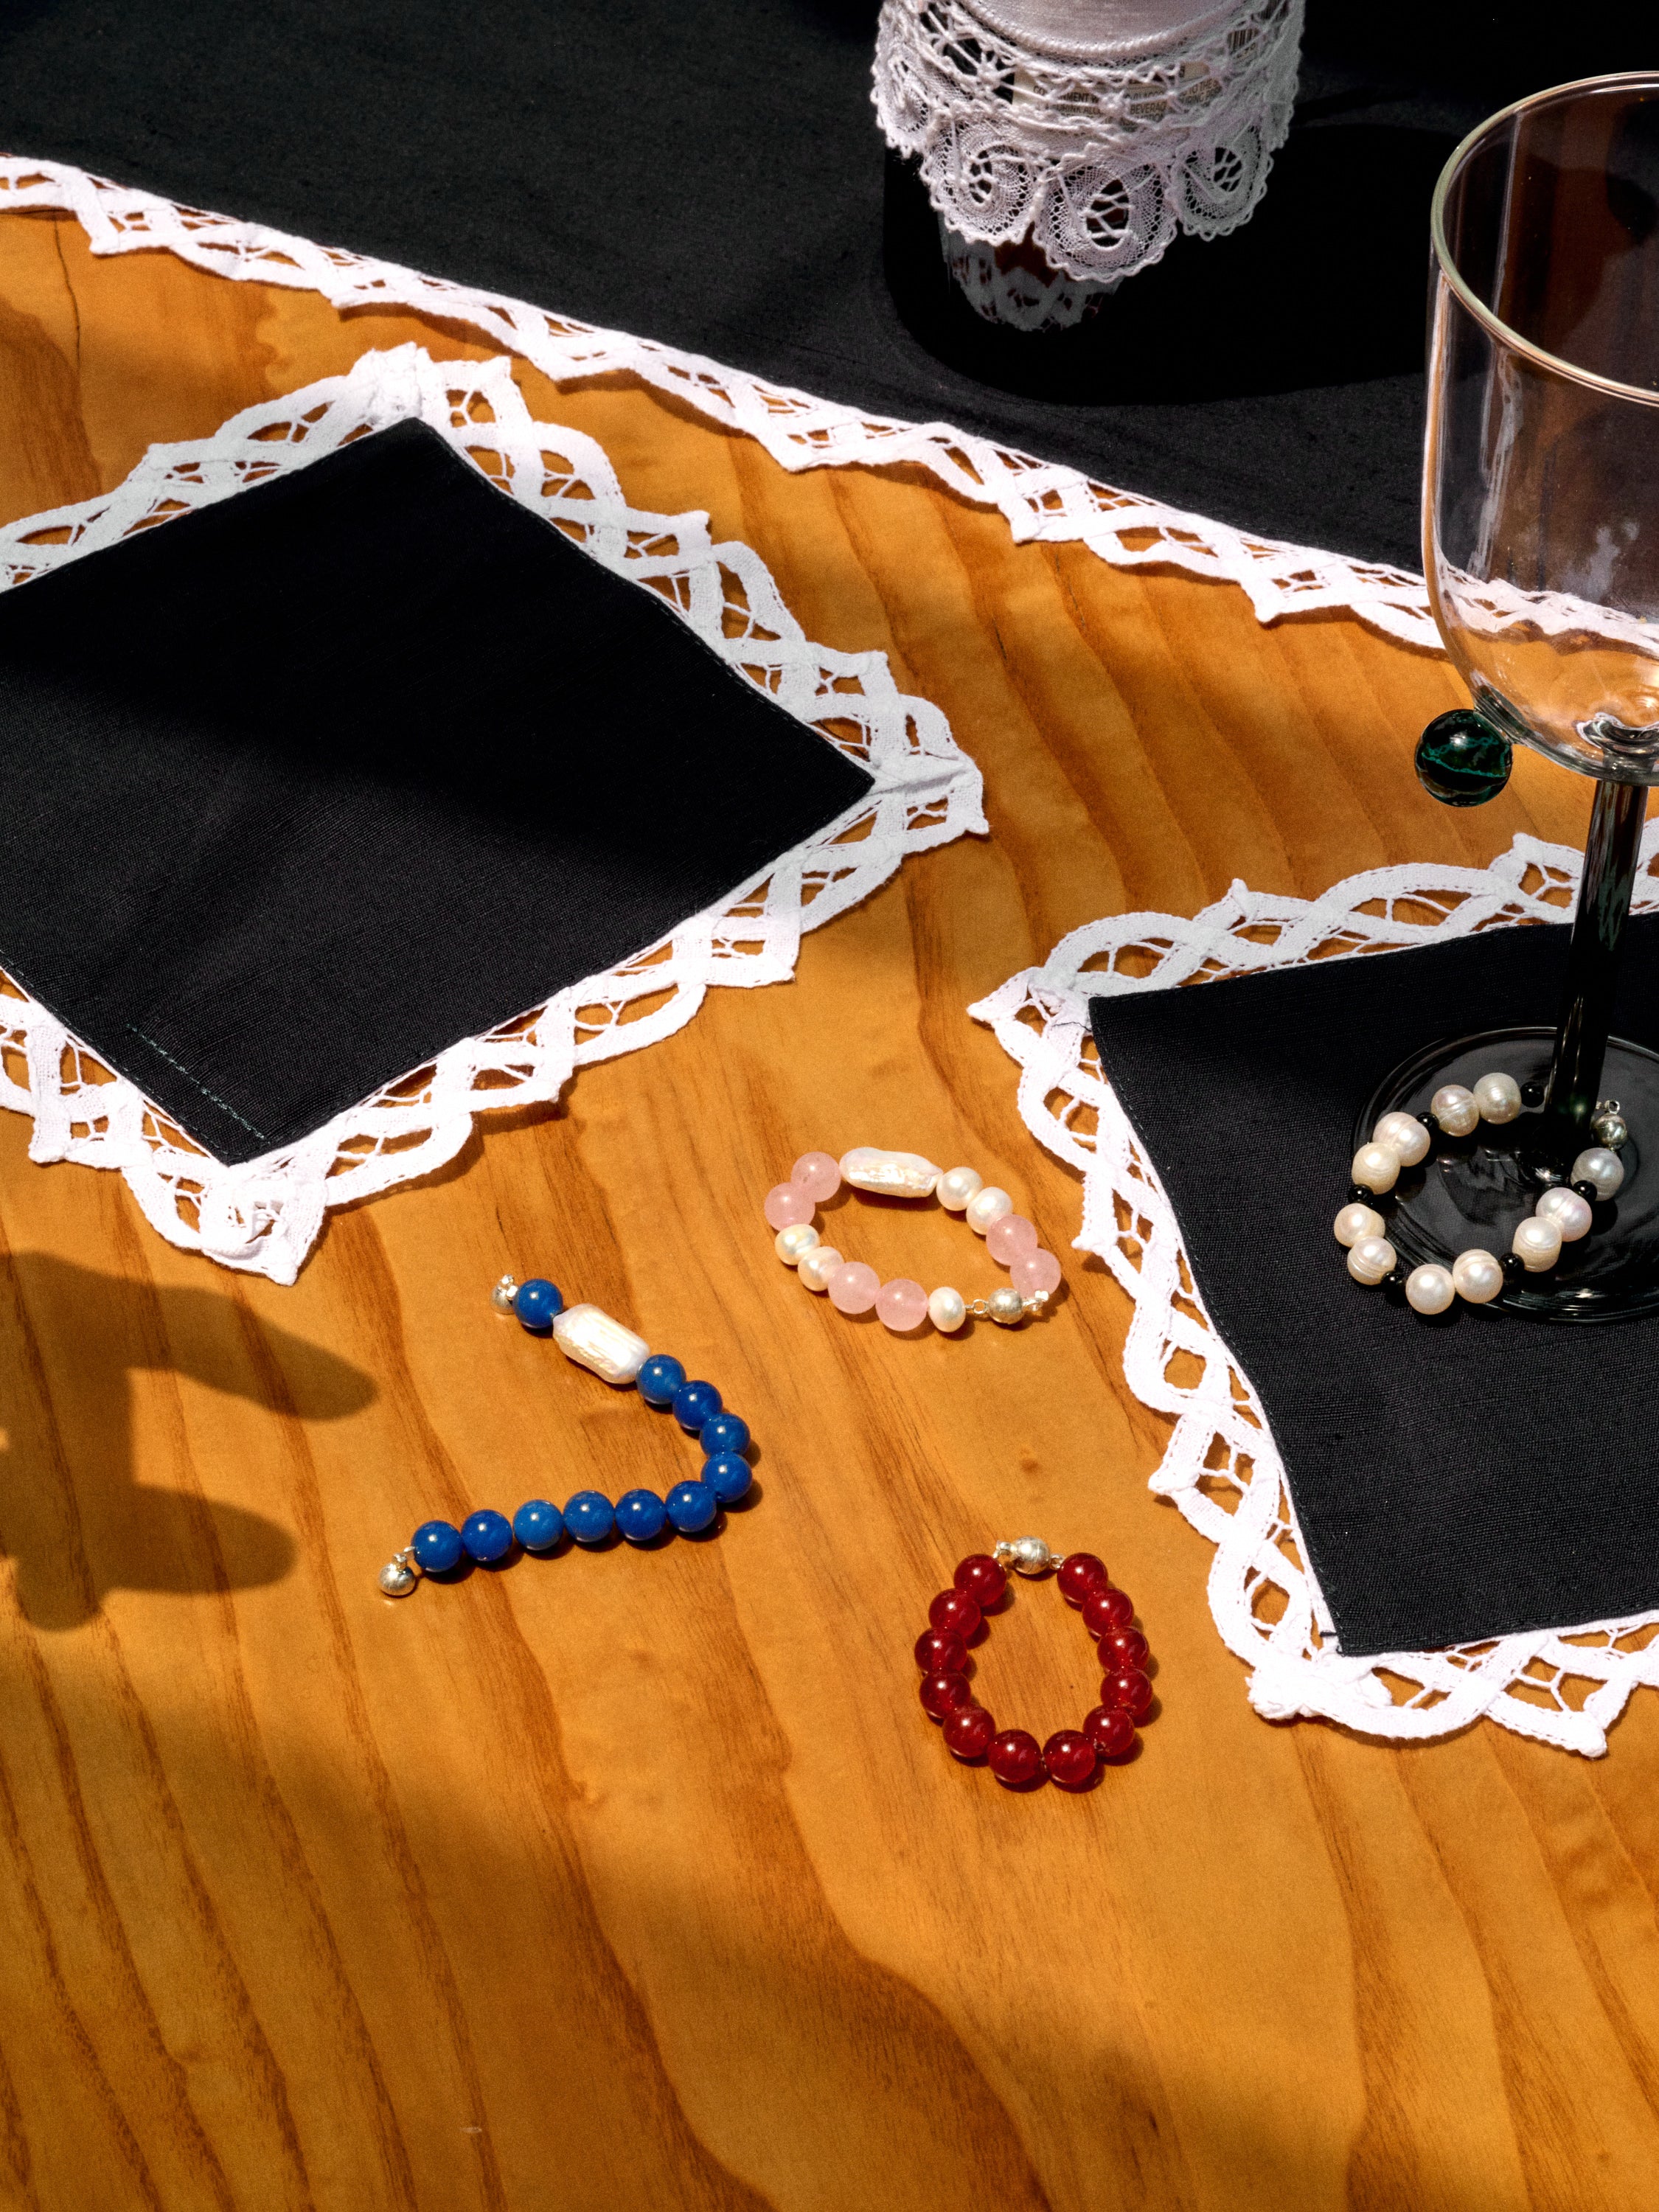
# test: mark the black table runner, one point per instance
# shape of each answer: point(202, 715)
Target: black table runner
point(1452, 1482)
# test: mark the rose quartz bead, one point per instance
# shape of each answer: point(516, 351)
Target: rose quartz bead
point(1007, 1238)
point(818, 1175)
point(902, 1303)
point(1033, 1272)
point(786, 1203)
point(853, 1287)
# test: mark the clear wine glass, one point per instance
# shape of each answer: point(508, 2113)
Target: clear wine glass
point(1541, 507)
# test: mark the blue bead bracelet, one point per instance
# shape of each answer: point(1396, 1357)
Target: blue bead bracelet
point(594, 1340)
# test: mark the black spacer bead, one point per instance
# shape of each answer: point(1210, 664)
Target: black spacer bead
point(1430, 1122)
point(1395, 1278)
point(1514, 1264)
point(1532, 1094)
point(1588, 1190)
point(1359, 1195)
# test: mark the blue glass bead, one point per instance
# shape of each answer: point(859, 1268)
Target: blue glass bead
point(537, 1301)
point(537, 1525)
point(640, 1515)
point(724, 1433)
point(696, 1403)
point(660, 1378)
point(589, 1518)
point(691, 1506)
point(486, 1535)
point(436, 1545)
point(1462, 760)
point(727, 1474)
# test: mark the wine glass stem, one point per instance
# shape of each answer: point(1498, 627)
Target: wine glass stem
point(1598, 929)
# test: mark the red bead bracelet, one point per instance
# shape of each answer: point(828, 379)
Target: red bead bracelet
point(1070, 1755)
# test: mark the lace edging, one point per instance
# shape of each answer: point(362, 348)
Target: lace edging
point(1041, 501)
point(263, 1217)
point(1220, 1467)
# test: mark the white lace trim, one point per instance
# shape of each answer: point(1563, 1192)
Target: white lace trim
point(264, 1216)
point(1221, 1466)
point(1098, 157)
point(1039, 499)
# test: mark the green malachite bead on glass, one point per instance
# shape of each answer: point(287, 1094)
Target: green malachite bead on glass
point(1462, 760)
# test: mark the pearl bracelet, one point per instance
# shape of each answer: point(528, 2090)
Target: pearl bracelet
point(853, 1288)
point(592, 1339)
point(1563, 1214)
point(1069, 1755)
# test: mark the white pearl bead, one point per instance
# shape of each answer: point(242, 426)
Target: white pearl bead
point(1538, 1242)
point(817, 1265)
point(792, 1244)
point(947, 1309)
point(1454, 1107)
point(986, 1206)
point(1605, 1170)
point(1430, 1290)
point(1356, 1221)
point(593, 1340)
point(1371, 1259)
point(1403, 1133)
point(956, 1186)
point(1497, 1097)
point(1571, 1214)
point(893, 1174)
point(1376, 1168)
point(1477, 1276)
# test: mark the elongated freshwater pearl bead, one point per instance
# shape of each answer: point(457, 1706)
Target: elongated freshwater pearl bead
point(1376, 1168)
point(1402, 1133)
point(594, 1340)
point(1602, 1169)
point(792, 1244)
point(1497, 1097)
point(956, 1186)
point(1477, 1276)
point(1571, 1214)
point(1453, 1107)
point(1537, 1243)
point(1430, 1290)
point(891, 1174)
point(947, 1309)
point(986, 1206)
point(1010, 1236)
point(817, 1265)
point(1371, 1259)
point(1356, 1221)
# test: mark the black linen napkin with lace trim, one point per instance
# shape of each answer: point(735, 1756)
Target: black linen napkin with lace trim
point(304, 786)
point(1451, 1482)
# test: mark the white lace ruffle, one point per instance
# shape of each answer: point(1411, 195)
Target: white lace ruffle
point(1041, 501)
point(264, 1216)
point(1098, 153)
point(1564, 1685)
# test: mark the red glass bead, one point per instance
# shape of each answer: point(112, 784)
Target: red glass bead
point(940, 1651)
point(945, 1693)
point(1106, 1608)
point(968, 1731)
point(1069, 1758)
point(1124, 1648)
point(1014, 1756)
point(1129, 1692)
point(954, 1609)
point(981, 1578)
point(1080, 1573)
point(1111, 1732)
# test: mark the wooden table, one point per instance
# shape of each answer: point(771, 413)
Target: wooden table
point(639, 1879)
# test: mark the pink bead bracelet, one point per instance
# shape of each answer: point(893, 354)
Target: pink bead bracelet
point(903, 1304)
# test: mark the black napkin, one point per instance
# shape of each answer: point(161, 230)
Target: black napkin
point(304, 786)
point(1451, 1483)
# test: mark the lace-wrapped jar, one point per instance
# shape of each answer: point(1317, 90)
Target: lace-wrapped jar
point(1063, 143)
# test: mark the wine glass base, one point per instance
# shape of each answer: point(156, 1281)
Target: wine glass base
point(1473, 1191)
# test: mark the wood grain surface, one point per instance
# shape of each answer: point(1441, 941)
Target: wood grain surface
point(639, 1879)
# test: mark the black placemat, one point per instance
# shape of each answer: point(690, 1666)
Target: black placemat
point(1451, 1483)
point(302, 788)
point(712, 177)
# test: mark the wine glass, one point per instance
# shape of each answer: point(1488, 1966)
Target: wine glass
point(1540, 525)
